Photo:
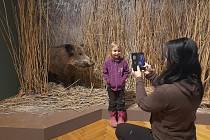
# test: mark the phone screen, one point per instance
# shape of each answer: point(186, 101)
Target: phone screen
point(138, 60)
point(141, 61)
point(134, 58)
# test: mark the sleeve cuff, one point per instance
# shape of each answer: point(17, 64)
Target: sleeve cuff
point(139, 80)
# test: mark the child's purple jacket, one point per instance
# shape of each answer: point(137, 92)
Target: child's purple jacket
point(115, 73)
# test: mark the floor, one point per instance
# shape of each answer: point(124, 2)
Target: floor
point(101, 130)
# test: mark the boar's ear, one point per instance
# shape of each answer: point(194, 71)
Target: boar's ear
point(69, 49)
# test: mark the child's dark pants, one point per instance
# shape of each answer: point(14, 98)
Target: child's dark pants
point(116, 100)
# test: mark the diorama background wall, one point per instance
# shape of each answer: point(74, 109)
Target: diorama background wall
point(8, 78)
point(9, 84)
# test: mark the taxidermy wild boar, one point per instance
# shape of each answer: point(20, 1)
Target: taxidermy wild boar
point(65, 60)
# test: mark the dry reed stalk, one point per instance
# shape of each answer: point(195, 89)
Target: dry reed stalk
point(145, 26)
point(29, 54)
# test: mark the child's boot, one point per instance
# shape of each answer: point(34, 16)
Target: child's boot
point(113, 120)
point(121, 117)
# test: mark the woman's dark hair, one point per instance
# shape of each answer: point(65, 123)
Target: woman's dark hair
point(182, 62)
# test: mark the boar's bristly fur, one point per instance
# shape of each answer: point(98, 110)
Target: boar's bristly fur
point(64, 62)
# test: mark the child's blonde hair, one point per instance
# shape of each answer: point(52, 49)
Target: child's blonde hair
point(112, 45)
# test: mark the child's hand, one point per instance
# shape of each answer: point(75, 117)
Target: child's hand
point(136, 73)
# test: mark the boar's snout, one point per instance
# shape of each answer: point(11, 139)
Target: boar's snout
point(83, 64)
point(87, 64)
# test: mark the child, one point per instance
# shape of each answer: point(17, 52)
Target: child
point(115, 73)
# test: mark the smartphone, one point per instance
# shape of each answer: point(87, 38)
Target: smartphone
point(138, 60)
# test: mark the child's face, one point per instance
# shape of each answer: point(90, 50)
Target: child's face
point(116, 52)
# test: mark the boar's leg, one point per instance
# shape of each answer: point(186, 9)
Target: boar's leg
point(53, 78)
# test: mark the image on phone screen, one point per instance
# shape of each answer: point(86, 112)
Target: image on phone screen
point(138, 60)
point(141, 61)
point(134, 58)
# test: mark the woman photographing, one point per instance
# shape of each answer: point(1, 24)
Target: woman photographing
point(177, 94)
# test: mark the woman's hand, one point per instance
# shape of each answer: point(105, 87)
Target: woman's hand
point(137, 73)
point(148, 68)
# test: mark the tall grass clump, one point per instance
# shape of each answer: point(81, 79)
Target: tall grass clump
point(101, 27)
point(143, 25)
point(28, 47)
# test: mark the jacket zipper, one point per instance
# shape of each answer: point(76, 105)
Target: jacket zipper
point(116, 70)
